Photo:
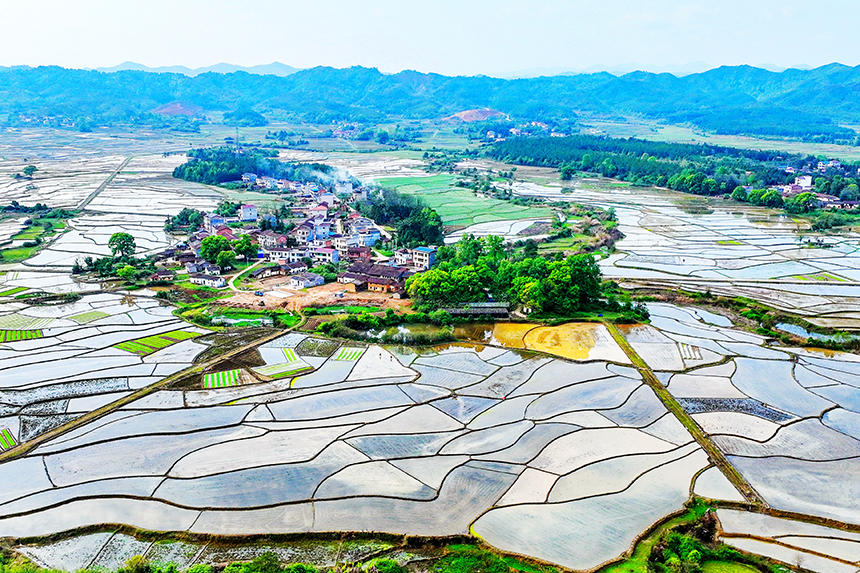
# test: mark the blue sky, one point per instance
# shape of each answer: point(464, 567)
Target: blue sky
point(445, 36)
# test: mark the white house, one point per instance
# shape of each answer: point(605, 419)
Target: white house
point(248, 213)
point(805, 182)
point(424, 256)
point(325, 255)
point(291, 255)
point(306, 280)
point(209, 281)
point(402, 257)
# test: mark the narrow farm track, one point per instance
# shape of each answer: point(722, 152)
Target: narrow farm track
point(714, 453)
point(105, 183)
point(24, 448)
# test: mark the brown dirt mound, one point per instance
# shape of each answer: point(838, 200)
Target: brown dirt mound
point(178, 108)
point(471, 115)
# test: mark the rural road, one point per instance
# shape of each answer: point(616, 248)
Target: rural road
point(237, 275)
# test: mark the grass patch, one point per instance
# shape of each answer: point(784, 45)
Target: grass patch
point(459, 206)
point(350, 354)
point(7, 441)
point(18, 255)
point(91, 316)
point(13, 291)
point(726, 567)
point(221, 379)
point(150, 344)
point(340, 309)
point(16, 335)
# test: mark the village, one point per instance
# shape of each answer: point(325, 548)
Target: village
point(329, 241)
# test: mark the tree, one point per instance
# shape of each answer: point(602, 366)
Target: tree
point(227, 208)
point(226, 259)
point(212, 245)
point(127, 272)
point(383, 137)
point(122, 244)
point(243, 247)
point(850, 193)
point(567, 172)
point(740, 194)
point(29, 170)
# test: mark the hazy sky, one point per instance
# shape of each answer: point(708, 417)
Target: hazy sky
point(467, 37)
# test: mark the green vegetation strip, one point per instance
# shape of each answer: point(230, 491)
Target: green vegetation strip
point(150, 344)
point(7, 442)
point(91, 316)
point(221, 379)
point(13, 291)
point(290, 355)
point(673, 406)
point(348, 354)
point(16, 335)
point(283, 370)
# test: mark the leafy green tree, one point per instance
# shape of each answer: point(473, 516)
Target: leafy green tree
point(212, 245)
point(227, 208)
point(772, 198)
point(226, 259)
point(850, 193)
point(567, 172)
point(243, 247)
point(122, 244)
point(29, 170)
point(127, 272)
point(740, 194)
point(383, 137)
point(801, 203)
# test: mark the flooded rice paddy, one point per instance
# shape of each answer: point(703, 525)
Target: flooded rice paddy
point(543, 441)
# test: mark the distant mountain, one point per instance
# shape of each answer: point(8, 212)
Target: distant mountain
point(803, 104)
point(273, 69)
point(616, 70)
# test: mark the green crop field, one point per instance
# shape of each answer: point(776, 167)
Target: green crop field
point(284, 370)
point(91, 316)
point(221, 379)
point(6, 440)
point(459, 206)
point(148, 345)
point(290, 355)
point(13, 291)
point(350, 354)
point(21, 322)
point(16, 335)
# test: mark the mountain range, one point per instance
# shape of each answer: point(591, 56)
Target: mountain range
point(814, 104)
point(273, 69)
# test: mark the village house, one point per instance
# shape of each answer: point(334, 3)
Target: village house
point(289, 255)
point(424, 257)
point(212, 220)
point(195, 265)
point(265, 272)
point(294, 268)
point(210, 269)
point(209, 281)
point(162, 276)
point(305, 280)
point(359, 254)
point(249, 178)
point(325, 255)
point(403, 257)
point(248, 213)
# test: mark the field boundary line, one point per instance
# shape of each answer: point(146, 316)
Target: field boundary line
point(717, 457)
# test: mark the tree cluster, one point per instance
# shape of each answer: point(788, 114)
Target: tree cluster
point(481, 269)
point(222, 164)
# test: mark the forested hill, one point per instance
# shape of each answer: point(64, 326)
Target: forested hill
point(795, 103)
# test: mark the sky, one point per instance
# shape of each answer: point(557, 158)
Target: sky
point(465, 37)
